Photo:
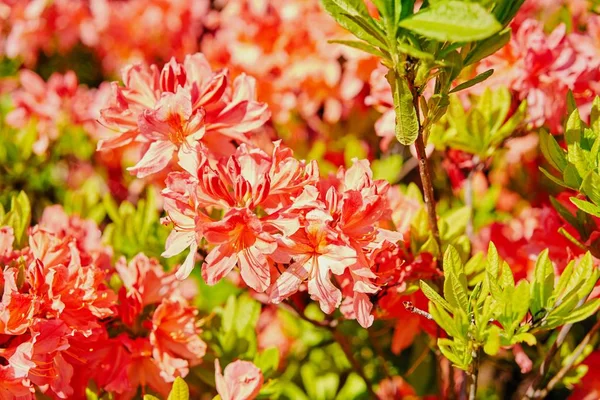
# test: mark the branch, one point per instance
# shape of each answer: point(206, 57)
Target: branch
point(570, 361)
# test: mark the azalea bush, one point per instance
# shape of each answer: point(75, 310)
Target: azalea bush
point(299, 199)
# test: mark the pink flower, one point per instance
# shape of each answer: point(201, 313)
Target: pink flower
point(242, 380)
point(53, 105)
point(297, 70)
point(253, 192)
point(541, 68)
point(241, 240)
point(182, 105)
point(316, 252)
point(170, 127)
point(175, 340)
point(16, 309)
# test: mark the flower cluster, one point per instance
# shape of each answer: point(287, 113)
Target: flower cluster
point(55, 105)
point(62, 324)
point(541, 68)
point(171, 110)
point(297, 70)
point(119, 32)
point(255, 210)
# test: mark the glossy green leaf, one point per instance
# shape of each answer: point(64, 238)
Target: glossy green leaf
point(583, 312)
point(407, 125)
point(487, 47)
point(352, 15)
point(586, 206)
point(543, 283)
point(434, 297)
point(363, 46)
point(180, 390)
point(453, 21)
point(551, 150)
point(472, 82)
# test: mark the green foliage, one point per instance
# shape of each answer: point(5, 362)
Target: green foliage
point(18, 217)
point(40, 176)
point(135, 229)
point(436, 42)
point(578, 167)
point(482, 129)
point(493, 311)
point(407, 125)
point(452, 226)
point(453, 21)
point(179, 391)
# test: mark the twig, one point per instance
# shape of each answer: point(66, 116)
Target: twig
point(411, 308)
point(427, 184)
point(539, 378)
point(569, 362)
point(473, 374)
point(418, 361)
point(425, 173)
point(537, 381)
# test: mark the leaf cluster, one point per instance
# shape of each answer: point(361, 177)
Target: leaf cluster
point(437, 41)
point(452, 226)
point(483, 127)
point(136, 228)
point(490, 311)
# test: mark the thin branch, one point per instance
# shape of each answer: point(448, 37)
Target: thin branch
point(569, 362)
point(538, 380)
point(473, 374)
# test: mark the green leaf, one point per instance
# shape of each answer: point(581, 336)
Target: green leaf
point(492, 342)
point(356, 8)
point(586, 206)
point(388, 168)
point(179, 391)
point(434, 297)
point(595, 115)
point(267, 361)
point(360, 45)
point(583, 312)
point(413, 51)
point(571, 104)
point(551, 150)
point(444, 320)
point(150, 397)
point(591, 187)
point(456, 222)
point(507, 280)
point(472, 82)
point(543, 283)
point(573, 129)
point(487, 47)
point(407, 125)
point(455, 293)
point(565, 213)
point(453, 21)
point(353, 16)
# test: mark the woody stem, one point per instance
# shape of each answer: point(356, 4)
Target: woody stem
point(425, 174)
